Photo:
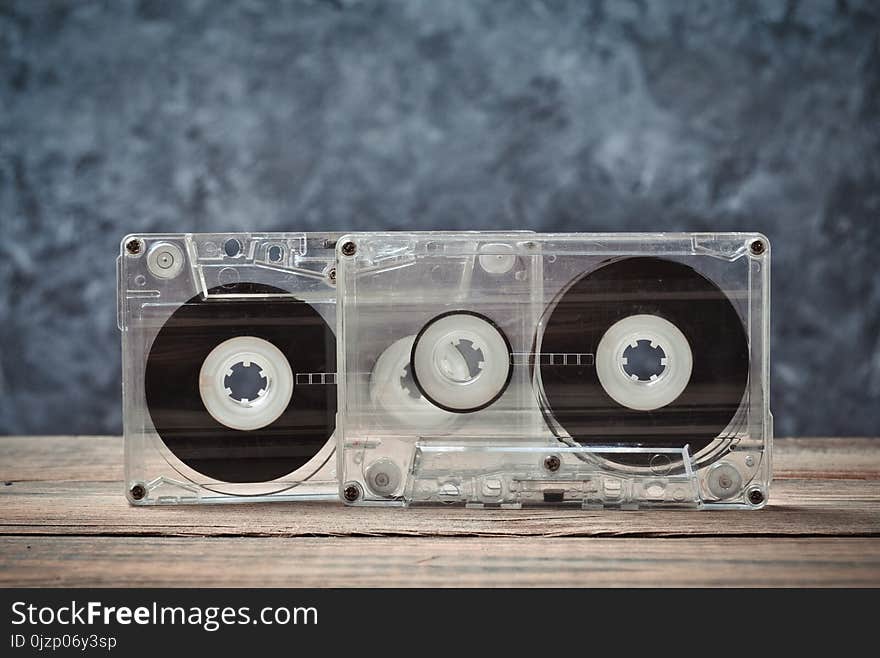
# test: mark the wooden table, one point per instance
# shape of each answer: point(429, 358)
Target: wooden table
point(65, 522)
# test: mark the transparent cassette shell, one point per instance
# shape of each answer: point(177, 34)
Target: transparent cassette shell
point(158, 274)
point(432, 303)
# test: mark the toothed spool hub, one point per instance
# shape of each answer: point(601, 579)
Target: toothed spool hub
point(393, 391)
point(270, 402)
point(627, 389)
point(446, 377)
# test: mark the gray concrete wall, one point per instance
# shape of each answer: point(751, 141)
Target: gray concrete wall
point(192, 116)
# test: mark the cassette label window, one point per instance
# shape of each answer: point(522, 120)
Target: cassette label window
point(592, 370)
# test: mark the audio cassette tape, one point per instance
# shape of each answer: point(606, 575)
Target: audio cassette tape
point(592, 370)
point(229, 367)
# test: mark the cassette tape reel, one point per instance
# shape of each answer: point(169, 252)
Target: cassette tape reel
point(597, 370)
point(229, 367)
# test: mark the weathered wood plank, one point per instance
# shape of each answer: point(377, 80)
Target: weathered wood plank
point(72, 486)
point(64, 521)
point(799, 507)
point(303, 562)
point(61, 458)
point(99, 458)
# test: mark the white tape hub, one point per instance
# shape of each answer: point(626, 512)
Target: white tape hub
point(269, 403)
point(627, 388)
point(395, 392)
point(462, 362)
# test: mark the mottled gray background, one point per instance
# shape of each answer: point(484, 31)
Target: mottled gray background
point(123, 116)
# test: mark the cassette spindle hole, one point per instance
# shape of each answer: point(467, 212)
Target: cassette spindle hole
point(459, 361)
point(246, 382)
point(643, 360)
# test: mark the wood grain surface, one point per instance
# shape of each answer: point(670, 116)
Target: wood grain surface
point(64, 521)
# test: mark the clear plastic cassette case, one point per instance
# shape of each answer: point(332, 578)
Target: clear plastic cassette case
point(229, 367)
point(592, 370)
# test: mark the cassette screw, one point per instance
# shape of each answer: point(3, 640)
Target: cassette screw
point(133, 246)
point(756, 497)
point(138, 492)
point(351, 493)
point(552, 463)
point(349, 249)
point(757, 247)
point(332, 275)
